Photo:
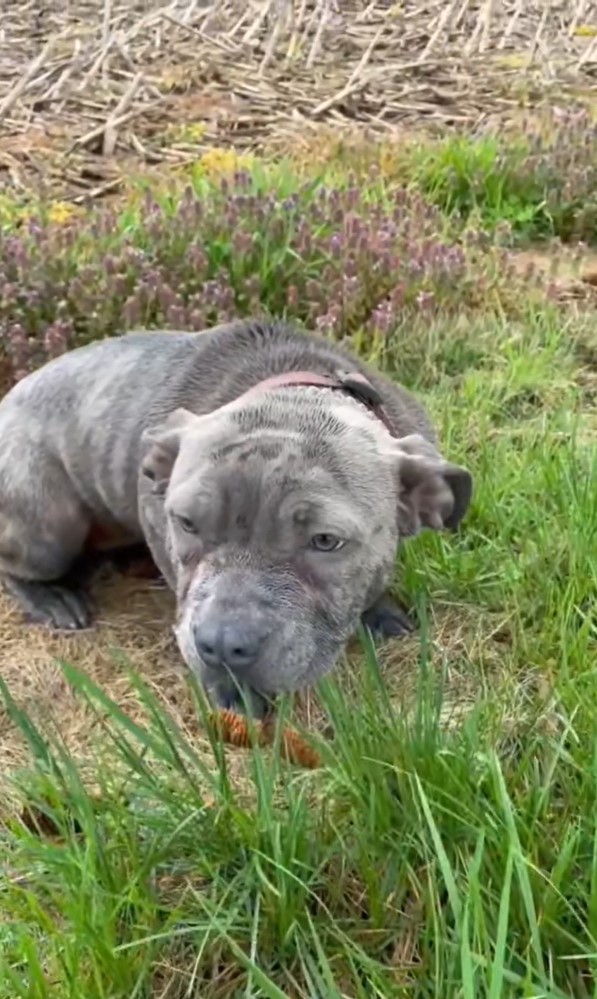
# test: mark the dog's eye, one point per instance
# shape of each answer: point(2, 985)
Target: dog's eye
point(325, 543)
point(186, 523)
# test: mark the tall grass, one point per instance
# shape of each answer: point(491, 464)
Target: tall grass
point(447, 845)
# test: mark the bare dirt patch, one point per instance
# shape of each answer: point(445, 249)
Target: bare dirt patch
point(571, 270)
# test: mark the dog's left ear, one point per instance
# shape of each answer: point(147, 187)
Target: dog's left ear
point(161, 446)
point(432, 492)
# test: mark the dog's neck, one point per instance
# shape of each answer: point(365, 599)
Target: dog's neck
point(352, 383)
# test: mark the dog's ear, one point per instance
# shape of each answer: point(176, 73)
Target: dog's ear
point(162, 444)
point(432, 493)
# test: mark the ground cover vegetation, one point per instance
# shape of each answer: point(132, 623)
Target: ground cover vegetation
point(447, 847)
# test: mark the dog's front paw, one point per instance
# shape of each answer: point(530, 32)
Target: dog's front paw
point(387, 619)
point(61, 607)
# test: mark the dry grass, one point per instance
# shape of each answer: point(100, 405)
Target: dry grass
point(132, 618)
point(133, 629)
point(89, 91)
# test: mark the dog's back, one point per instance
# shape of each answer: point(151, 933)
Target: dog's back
point(90, 407)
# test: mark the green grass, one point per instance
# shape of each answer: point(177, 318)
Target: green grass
point(536, 182)
point(437, 852)
point(532, 182)
point(532, 189)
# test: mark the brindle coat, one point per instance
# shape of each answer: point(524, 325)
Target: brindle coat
point(274, 513)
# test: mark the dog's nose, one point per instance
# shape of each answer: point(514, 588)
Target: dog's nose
point(227, 643)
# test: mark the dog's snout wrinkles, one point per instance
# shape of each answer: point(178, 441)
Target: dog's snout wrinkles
point(226, 642)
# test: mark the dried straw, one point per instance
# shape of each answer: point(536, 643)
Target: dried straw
point(108, 83)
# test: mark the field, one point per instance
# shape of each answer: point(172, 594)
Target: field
point(443, 221)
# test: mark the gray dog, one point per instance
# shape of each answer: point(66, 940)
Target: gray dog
point(271, 474)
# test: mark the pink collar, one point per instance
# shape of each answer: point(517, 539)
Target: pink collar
point(351, 382)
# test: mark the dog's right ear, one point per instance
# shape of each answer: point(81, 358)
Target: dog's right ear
point(162, 444)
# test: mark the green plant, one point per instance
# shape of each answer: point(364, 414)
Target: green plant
point(536, 185)
point(446, 847)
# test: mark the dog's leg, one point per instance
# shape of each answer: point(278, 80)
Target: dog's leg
point(43, 528)
point(387, 619)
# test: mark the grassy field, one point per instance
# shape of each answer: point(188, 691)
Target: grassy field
point(448, 845)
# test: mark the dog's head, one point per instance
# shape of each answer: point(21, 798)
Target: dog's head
point(284, 510)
